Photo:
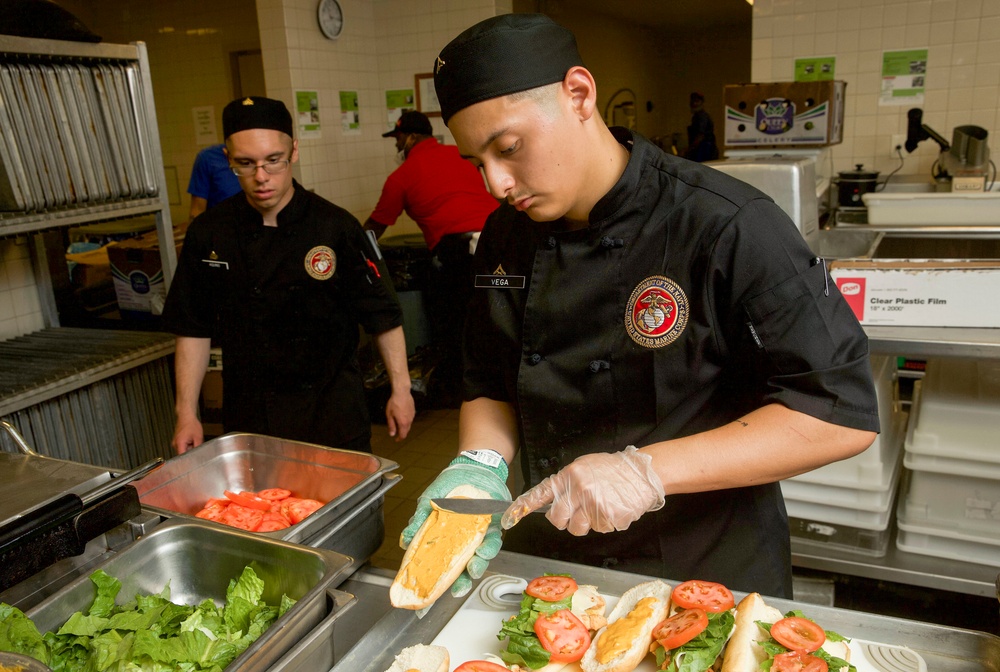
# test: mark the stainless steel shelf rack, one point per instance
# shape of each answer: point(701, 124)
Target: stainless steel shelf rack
point(79, 145)
point(916, 342)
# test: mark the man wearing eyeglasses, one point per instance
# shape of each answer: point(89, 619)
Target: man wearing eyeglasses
point(281, 279)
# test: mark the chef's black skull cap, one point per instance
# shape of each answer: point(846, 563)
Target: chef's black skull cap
point(244, 114)
point(502, 55)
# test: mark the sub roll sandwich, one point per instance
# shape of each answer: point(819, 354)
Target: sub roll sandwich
point(765, 640)
point(694, 636)
point(553, 626)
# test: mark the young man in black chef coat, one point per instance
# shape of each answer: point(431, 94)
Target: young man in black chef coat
point(282, 278)
point(629, 298)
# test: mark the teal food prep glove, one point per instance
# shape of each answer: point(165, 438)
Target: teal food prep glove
point(483, 469)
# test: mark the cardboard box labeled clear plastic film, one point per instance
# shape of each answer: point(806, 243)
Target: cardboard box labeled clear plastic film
point(920, 292)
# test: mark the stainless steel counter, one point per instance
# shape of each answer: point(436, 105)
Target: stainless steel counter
point(381, 631)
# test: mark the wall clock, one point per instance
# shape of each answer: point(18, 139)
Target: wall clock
point(331, 18)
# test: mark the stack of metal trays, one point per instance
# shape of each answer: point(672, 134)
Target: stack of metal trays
point(96, 396)
point(197, 561)
point(352, 485)
point(72, 132)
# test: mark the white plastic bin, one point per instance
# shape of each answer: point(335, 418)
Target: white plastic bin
point(962, 504)
point(942, 209)
point(956, 413)
point(948, 544)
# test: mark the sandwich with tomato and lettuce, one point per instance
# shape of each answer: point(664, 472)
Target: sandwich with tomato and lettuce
point(766, 640)
point(694, 636)
point(553, 626)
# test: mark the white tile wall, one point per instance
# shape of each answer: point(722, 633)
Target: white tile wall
point(20, 311)
point(384, 43)
point(963, 70)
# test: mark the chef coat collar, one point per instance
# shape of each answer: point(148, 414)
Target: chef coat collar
point(287, 216)
point(620, 195)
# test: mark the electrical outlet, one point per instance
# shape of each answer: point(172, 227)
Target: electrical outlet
point(898, 140)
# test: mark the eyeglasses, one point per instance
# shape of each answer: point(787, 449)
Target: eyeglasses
point(270, 167)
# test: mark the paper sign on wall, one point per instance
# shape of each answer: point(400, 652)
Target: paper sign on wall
point(903, 74)
point(307, 114)
point(350, 118)
point(204, 125)
point(396, 102)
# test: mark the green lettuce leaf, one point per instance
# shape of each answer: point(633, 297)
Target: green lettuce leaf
point(107, 591)
point(18, 634)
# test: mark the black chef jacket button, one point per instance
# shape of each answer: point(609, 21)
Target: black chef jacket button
point(551, 243)
point(256, 291)
point(598, 364)
point(535, 358)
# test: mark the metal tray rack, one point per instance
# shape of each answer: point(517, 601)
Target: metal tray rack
point(78, 141)
point(51, 109)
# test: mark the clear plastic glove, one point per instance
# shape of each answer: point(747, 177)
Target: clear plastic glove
point(465, 471)
point(603, 492)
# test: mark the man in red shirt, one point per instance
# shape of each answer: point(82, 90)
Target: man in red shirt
point(447, 198)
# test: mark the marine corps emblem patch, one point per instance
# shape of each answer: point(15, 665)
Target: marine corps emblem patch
point(657, 312)
point(321, 262)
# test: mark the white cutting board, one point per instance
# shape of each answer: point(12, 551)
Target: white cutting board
point(472, 632)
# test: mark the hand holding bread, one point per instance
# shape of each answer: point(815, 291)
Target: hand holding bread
point(449, 550)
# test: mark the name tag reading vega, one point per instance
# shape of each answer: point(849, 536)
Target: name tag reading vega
point(500, 281)
point(215, 263)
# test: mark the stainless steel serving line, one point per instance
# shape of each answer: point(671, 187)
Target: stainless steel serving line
point(165, 543)
point(380, 631)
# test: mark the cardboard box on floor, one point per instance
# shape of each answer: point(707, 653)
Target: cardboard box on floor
point(138, 273)
point(920, 292)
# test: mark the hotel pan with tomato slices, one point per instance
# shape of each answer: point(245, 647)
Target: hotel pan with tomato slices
point(351, 486)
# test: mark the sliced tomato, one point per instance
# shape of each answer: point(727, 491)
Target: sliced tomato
point(480, 666)
point(214, 513)
point(249, 500)
point(551, 588)
point(681, 628)
point(273, 522)
point(274, 494)
point(798, 661)
point(298, 511)
point(243, 517)
point(712, 597)
point(798, 634)
point(285, 506)
point(220, 501)
point(563, 635)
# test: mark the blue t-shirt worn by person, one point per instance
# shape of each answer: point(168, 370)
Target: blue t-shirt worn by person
point(211, 177)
